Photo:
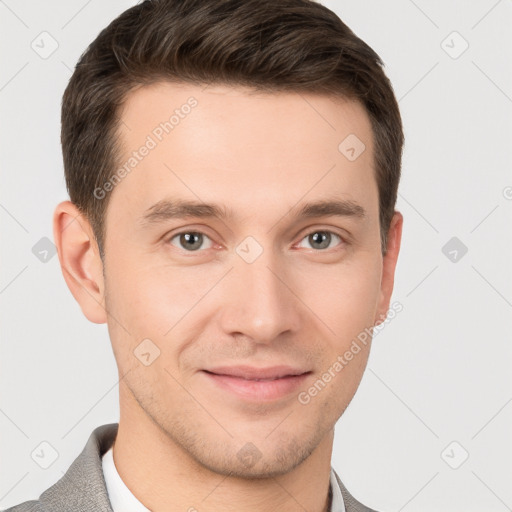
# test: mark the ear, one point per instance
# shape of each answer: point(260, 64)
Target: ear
point(80, 261)
point(389, 264)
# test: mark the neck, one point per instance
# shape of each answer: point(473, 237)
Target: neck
point(163, 476)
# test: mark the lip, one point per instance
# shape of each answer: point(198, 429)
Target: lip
point(277, 384)
point(253, 373)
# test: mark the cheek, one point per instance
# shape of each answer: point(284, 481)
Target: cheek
point(135, 290)
point(136, 308)
point(344, 297)
point(154, 300)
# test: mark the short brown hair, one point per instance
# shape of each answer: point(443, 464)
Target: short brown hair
point(268, 45)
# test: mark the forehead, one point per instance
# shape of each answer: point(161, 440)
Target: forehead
point(222, 143)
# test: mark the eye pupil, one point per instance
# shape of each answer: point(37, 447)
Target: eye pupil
point(195, 238)
point(324, 239)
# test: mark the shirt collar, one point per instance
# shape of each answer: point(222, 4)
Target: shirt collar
point(121, 498)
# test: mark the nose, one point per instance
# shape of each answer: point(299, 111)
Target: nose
point(258, 300)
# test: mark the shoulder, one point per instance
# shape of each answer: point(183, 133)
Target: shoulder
point(82, 488)
point(26, 506)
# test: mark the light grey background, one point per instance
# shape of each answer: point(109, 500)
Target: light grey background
point(439, 372)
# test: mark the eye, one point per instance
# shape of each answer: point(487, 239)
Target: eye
point(321, 239)
point(190, 240)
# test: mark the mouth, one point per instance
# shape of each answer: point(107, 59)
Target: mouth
point(252, 385)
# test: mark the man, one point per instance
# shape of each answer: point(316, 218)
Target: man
point(233, 168)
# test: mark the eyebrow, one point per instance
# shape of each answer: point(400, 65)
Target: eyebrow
point(167, 209)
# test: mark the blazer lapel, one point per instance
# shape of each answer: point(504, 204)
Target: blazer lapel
point(351, 504)
point(82, 488)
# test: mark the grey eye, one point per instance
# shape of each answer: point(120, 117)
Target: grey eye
point(190, 240)
point(321, 239)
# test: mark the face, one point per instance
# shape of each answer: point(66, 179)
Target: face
point(257, 274)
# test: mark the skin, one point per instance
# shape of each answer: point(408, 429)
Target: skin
point(262, 156)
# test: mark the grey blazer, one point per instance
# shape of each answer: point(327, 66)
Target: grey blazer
point(82, 488)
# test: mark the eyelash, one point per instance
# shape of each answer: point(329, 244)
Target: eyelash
point(343, 241)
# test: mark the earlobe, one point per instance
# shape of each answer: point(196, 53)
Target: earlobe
point(80, 261)
point(388, 266)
